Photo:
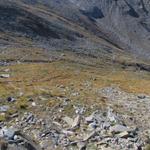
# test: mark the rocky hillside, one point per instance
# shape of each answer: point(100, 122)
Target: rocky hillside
point(64, 106)
point(74, 75)
point(79, 25)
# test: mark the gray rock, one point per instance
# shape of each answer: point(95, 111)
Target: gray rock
point(67, 133)
point(111, 116)
point(76, 122)
point(14, 115)
point(92, 126)
point(11, 99)
point(141, 96)
point(4, 76)
point(16, 140)
point(4, 108)
point(72, 123)
point(68, 120)
point(8, 133)
point(33, 104)
point(89, 118)
point(29, 118)
point(124, 134)
point(119, 128)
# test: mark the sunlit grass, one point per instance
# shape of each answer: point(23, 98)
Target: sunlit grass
point(34, 79)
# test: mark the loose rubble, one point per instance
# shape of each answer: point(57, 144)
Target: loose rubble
point(103, 129)
point(13, 139)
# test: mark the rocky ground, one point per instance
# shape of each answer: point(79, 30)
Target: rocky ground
point(74, 74)
point(121, 123)
point(78, 117)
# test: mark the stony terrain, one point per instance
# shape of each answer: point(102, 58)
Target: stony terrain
point(46, 106)
point(102, 128)
point(74, 75)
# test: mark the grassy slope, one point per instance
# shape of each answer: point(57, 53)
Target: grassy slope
point(33, 78)
point(64, 78)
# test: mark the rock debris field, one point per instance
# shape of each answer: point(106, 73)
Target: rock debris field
point(122, 125)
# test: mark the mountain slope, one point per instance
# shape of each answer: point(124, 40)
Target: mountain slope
point(87, 27)
point(124, 23)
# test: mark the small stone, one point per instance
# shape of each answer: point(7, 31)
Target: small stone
point(67, 133)
point(75, 94)
point(56, 123)
point(8, 132)
point(92, 126)
point(4, 108)
point(89, 118)
point(62, 86)
point(15, 137)
point(4, 76)
point(11, 99)
point(141, 96)
point(1, 134)
point(14, 115)
point(76, 122)
point(102, 142)
point(42, 98)
point(68, 120)
point(33, 104)
point(124, 134)
point(30, 119)
point(119, 128)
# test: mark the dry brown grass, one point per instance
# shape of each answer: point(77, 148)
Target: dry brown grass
point(63, 79)
point(33, 79)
